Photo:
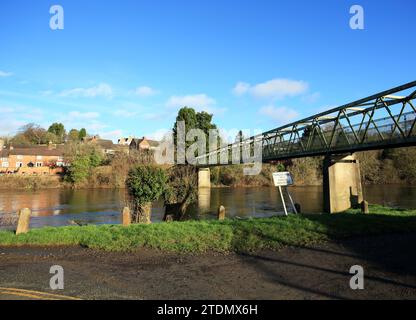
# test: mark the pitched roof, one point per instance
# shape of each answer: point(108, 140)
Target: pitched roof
point(33, 151)
point(152, 143)
point(106, 144)
point(4, 153)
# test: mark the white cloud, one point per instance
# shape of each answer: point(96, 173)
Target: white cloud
point(241, 88)
point(145, 91)
point(275, 88)
point(200, 102)
point(78, 120)
point(281, 115)
point(123, 113)
point(101, 90)
point(9, 126)
point(158, 134)
point(76, 115)
point(154, 115)
point(194, 101)
point(113, 135)
point(14, 117)
point(93, 126)
point(4, 74)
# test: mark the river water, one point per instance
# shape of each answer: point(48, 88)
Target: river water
point(100, 206)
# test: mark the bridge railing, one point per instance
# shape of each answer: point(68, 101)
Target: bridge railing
point(383, 120)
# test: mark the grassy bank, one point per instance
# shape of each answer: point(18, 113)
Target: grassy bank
point(15, 182)
point(223, 236)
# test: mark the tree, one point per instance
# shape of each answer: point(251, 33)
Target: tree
point(58, 130)
point(79, 169)
point(188, 115)
point(194, 120)
point(73, 135)
point(82, 134)
point(82, 159)
point(204, 120)
point(50, 137)
point(33, 134)
point(180, 192)
point(20, 140)
point(145, 184)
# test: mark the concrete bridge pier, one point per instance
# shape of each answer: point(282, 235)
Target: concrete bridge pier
point(204, 178)
point(342, 183)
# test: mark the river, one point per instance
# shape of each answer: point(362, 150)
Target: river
point(56, 207)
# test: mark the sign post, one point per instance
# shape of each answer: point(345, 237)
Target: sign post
point(284, 179)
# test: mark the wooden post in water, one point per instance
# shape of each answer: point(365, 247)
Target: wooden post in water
point(221, 213)
point(24, 221)
point(126, 216)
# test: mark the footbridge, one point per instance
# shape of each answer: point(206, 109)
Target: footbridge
point(384, 120)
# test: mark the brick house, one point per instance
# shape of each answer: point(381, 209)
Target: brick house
point(32, 160)
point(143, 144)
point(107, 146)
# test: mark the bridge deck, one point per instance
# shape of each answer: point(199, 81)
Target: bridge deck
point(384, 120)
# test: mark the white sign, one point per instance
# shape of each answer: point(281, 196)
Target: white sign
point(281, 179)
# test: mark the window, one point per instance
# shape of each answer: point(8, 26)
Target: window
point(39, 164)
point(19, 164)
point(4, 164)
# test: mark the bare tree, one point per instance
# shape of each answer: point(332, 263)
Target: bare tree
point(181, 191)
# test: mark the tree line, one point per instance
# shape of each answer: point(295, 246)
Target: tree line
point(34, 134)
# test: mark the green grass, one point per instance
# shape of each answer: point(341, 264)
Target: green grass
point(223, 236)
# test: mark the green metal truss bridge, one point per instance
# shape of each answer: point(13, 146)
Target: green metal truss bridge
point(383, 120)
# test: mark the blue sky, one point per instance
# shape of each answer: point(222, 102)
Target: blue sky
point(124, 68)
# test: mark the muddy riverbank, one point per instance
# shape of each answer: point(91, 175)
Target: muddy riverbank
point(314, 272)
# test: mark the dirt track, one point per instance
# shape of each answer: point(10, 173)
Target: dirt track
point(318, 272)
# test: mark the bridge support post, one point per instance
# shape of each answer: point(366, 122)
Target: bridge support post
point(204, 178)
point(342, 187)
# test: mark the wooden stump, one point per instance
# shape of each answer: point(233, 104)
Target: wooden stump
point(145, 214)
point(24, 221)
point(364, 207)
point(126, 216)
point(169, 218)
point(221, 213)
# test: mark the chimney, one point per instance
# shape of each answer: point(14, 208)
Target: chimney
point(51, 146)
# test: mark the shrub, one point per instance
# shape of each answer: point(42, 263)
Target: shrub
point(79, 170)
point(144, 185)
point(82, 158)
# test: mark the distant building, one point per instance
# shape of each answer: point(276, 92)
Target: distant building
point(107, 145)
point(143, 144)
point(125, 141)
point(32, 160)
